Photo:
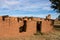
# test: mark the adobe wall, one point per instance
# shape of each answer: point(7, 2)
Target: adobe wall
point(46, 26)
point(10, 26)
point(31, 27)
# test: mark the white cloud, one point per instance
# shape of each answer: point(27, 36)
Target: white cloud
point(46, 8)
point(12, 2)
point(24, 5)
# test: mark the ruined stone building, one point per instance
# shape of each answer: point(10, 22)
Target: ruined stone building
point(16, 26)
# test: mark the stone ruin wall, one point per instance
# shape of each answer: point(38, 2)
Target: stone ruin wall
point(9, 26)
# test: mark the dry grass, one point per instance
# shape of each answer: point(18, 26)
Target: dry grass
point(56, 22)
point(51, 36)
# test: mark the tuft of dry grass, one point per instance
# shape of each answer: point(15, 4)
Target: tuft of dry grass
point(51, 36)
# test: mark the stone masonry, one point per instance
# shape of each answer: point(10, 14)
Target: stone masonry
point(24, 26)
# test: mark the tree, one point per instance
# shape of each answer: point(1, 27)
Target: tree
point(59, 17)
point(55, 4)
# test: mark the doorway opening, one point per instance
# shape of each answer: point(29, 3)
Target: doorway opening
point(23, 28)
point(39, 26)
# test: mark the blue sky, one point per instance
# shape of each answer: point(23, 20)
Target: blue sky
point(36, 8)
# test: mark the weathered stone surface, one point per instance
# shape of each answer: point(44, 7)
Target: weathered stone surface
point(9, 26)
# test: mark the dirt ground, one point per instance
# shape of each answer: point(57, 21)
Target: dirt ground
point(51, 36)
